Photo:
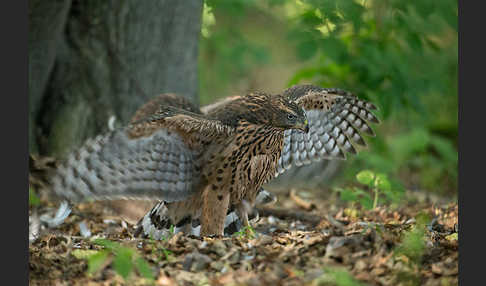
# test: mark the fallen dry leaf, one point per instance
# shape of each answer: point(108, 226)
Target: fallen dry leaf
point(292, 247)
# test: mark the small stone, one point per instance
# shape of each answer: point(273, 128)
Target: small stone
point(218, 247)
point(360, 265)
point(203, 245)
point(196, 261)
point(234, 258)
point(217, 265)
point(271, 220)
point(264, 240)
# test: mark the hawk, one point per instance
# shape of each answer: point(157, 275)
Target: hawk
point(200, 164)
point(157, 223)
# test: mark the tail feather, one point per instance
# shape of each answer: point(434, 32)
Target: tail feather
point(157, 224)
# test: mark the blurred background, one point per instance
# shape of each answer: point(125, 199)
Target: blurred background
point(90, 61)
point(401, 55)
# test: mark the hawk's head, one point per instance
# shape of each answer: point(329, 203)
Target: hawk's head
point(266, 109)
point(287, 114)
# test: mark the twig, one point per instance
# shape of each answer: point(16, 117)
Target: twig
point(289, 214)
point(300, 202)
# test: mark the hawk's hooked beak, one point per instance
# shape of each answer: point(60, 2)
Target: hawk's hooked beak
point(304, 126)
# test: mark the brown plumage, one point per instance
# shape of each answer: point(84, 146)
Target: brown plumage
point(158, 221)
point(199, 164)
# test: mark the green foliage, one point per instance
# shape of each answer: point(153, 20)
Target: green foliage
point(400, 54)
point(412, 246)
point(160, 250)
point(167, 253)
point(403, 56)
point(143, 268)
point(394, 48)
point(337, 277)
point(227, 53)
point(246, 232)
point(97, 260)
point(452, 237)
point(33, 198)
point(123, 263)
point(432, 158)
point(413, 241)
point(366, 177)
point(378, 187)
point(124, 260)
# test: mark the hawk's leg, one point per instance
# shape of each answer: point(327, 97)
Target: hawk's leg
point(215, 207)
point(243, 209)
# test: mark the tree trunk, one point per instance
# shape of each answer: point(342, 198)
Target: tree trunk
point(90, 60)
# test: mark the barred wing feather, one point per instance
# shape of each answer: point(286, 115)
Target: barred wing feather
point(336, 120)
point(114, 166)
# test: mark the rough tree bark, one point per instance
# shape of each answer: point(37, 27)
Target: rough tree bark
point(90, 60)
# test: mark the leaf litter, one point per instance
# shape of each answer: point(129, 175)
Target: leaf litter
point(329, 246)
point(297, 242)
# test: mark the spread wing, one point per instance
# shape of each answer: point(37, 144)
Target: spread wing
point(155, 158)
point(166, 99)
point(336, 120)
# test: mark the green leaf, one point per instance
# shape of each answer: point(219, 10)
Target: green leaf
point(338, 277)
point(84, 253)
point(365, 177)
point(33, 198)
point(366, 202)
point(406, 145)
point(306, 49)
point(172, 229)
point(111, 245)
point(348, 195)
point(360, 192)
point(382, 182)
point(123, 262)
point(97, 260)
point(310, 18)
point(422, 219)
point(444, 148)
point(393, 195)
point(413, 244)
point(452, 237)
point(167, 254)
point(144, 268)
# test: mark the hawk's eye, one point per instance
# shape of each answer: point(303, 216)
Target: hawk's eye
point(290, 116)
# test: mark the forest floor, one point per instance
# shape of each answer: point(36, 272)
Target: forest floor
point(297, 241)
